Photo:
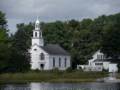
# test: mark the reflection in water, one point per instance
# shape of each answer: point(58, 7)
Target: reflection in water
point(61, 86)
point(36, 86)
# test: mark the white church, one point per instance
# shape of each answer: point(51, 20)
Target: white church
point(47, 57)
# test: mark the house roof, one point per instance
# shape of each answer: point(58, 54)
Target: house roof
point(100, 60)
point(55, 49)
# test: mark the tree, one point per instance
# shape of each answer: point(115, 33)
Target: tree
point(4, 44)
point(21, 42)
point(110, 43)
point(3, 22)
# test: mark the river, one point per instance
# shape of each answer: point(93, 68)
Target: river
point(61, 86)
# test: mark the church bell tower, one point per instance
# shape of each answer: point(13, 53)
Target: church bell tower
point(37, 35)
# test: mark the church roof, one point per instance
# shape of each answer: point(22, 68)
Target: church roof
point(55, 49)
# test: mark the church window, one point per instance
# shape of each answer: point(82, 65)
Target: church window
point(35, 34)
point(59, 62)
point(35, 49)
point(53, 62)
point(65, 62)
point(41, 34)
point(42, 56)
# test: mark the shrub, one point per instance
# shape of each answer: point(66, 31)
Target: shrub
point(118, 67)
point(55, 70)
point(69, 69)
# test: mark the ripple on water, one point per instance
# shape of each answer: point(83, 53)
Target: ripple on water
point(61, 86)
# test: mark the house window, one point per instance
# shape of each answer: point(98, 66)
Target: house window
point(65, 62)
point(42, 56)
point(98, 63)
point(53, 62)
point(103, 56)
point(59, 62)
point(100, 57)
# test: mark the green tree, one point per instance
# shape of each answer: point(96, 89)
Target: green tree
point(4, 44)
point(21, 42)
point(110, 43)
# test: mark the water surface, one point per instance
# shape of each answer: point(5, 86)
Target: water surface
point(61, 86)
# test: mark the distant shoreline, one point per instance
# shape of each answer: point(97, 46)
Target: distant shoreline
point(53, 77)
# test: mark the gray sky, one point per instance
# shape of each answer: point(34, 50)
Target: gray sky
point(24, 11)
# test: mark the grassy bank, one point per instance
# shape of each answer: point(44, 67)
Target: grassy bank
point(48, 76)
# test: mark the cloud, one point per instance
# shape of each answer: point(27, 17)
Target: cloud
point(18, 11)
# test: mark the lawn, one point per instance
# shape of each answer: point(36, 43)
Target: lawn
point(51, 76)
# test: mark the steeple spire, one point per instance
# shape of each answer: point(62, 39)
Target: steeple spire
point(37, 24)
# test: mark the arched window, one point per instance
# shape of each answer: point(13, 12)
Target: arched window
point(35, 49)
point(35, 34)
point(42, 56)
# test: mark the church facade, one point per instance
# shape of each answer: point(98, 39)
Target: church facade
point(47, 57)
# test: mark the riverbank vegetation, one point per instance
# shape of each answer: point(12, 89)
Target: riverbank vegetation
point(51, 76)
point(80, 38)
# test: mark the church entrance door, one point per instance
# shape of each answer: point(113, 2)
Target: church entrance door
point(42, 66)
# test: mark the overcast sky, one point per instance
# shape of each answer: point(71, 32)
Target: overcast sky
point(24, 11)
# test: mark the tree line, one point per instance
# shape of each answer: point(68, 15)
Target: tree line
point(80, 38)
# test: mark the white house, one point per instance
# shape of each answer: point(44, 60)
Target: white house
point(99, 62)
point(47, 57)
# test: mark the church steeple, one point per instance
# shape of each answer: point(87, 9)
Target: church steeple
point(37, 34)
point(37, 25)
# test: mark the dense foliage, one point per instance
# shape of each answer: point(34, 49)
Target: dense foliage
point(80, 38)
point(4, 45)
point(20, 57)
point(14, 54)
